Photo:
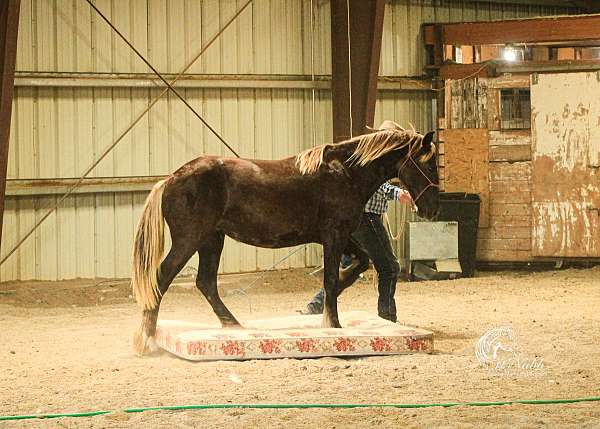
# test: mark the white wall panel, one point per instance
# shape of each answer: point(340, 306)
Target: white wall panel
point(58, 133)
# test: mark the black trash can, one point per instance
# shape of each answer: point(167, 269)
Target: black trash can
point(463, 208)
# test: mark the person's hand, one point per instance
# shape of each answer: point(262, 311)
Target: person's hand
point(405, 198)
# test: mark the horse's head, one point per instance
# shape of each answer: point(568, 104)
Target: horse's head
point(418, 172)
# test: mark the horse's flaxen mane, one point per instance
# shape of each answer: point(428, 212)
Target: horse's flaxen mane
point(370, 147)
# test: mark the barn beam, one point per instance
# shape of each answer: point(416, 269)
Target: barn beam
point(9, 27)
point(356, 29)
point(148, 80)
point(530, 30)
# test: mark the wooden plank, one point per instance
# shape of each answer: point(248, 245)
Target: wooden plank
point(517, 220)
point(504, 255)
point(494, 116)
point(489, 52)
point(504, 244)
point(541, 53)
point(469, 104)
point(514, 191)
point(467, 54)
point(94, 185)
point(480, 100)
point(510, 153)
point(510, 171)
point(466, 165)
point(510, 137)
point(550, 29)
point(448, 105)
point(146, 80)
point(528, 67)
point(505, 231)
point(510, 81)
point(462, 71)
point(565, 54)
point(501, 209)
point(456, 100)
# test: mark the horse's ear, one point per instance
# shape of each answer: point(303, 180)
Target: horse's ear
point(427, 140)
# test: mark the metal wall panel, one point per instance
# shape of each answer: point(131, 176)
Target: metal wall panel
point(58, 132)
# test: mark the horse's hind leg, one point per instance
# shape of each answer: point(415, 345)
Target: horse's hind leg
point(332, 253)
point(209, 254)
point(180, 253)
point(350, 274)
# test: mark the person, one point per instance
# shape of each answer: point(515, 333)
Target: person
point(373, 238)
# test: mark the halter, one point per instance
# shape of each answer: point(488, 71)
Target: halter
point(429, 185)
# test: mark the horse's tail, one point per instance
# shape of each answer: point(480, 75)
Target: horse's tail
point(148, 249)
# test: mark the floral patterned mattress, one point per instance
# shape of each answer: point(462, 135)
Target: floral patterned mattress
point(362, 334)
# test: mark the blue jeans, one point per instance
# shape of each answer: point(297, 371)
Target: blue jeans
point(373, 239)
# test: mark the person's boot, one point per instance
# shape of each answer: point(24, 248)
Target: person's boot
point(312, 308)
point(391, 318)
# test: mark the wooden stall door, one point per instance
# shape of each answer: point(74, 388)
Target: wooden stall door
point(466, 165)
point(565, 113)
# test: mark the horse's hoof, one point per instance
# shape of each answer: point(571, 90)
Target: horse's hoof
point(144, 345)
point(231, 326)
point(327, 324)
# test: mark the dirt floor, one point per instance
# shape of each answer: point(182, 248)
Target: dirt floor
point(66, 347)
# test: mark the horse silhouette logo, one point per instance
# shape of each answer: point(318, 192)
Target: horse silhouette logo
point(497, 347)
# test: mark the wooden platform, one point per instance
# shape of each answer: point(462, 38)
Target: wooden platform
point(363, 334)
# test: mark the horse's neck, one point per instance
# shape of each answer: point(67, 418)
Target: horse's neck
point(373, 175)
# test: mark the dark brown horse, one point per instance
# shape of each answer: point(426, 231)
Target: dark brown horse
point(316, 196)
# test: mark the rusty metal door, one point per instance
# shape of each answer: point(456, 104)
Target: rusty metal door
point(565, 112)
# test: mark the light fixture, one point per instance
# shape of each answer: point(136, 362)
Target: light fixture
point(510, 53)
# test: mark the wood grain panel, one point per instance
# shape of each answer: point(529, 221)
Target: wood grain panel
point(466, 164)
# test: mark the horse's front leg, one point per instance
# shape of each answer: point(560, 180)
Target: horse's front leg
point(332, 253)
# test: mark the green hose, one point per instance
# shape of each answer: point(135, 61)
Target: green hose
point(281, 406)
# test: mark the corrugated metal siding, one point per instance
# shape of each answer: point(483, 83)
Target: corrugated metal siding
point(58, 132)
point(67, 36)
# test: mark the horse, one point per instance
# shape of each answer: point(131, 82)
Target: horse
point(317, 196)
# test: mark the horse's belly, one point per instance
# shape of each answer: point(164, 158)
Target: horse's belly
point(265, 234)
point(273, 242)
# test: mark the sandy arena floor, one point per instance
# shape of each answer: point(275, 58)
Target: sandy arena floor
point(66, 347)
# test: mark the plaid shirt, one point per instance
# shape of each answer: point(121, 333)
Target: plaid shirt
point(378, 203)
